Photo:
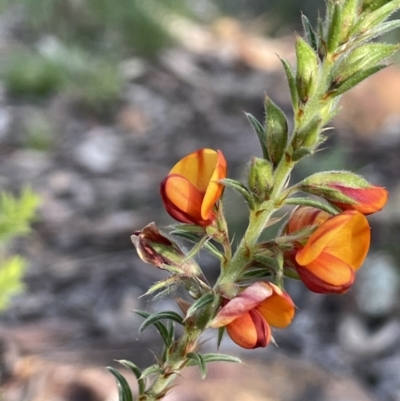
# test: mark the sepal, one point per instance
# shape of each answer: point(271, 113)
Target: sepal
point(260, 178)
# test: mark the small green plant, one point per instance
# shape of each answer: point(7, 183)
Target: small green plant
point(29, 74)
point(16, 215)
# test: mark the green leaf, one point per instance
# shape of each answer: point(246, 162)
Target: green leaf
point(208, 246)
point(335, 27)
point(313, 203)
point(265, 260)
point(202, 302)
point(152, 370)
point(197, 247)
point(355, 80)
point(221, 332)
point(259, 130)
point(220, 358)
point(241, 189)
point(124, 391)
point(156, 317)
point(291, 82)
point(160, 285)
point(199, 361)
point(254, 273)
point(162, 330)
point(136, 371)
point(309, 32)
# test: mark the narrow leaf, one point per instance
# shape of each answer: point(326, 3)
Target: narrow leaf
point(300, 201)
point(291, 82)
point(309, 32)
point(162, 330)
point(221, 332)
point(199, 361)
point(152, 370)
point(220, 358)
point(197, 247)
point(259, 130)
point(241, 189)
point(335, 27)
point(203, 301)
point(124, 391)
point(156, 317)
point(136, 371)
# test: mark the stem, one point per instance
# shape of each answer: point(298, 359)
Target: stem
point(257, 222)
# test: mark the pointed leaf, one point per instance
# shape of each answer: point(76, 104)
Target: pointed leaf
point(335, 27)
point(124, 391)
point(199, 361)
point(163, 331)
point(259, 130)
point(300, 201)
point(291, 82)
point(136, 371)
point(156, 317)
point(152, 370)
point(239, 187)
point(221, 332)
point(309, 32)
point(208, 246)
point(202, 302)
point(220, 358)
point(173, 280)
point(197, 247)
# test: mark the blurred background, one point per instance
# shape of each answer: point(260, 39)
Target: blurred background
point(98, 99)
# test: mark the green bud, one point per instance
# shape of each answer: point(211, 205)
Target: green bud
point(276, 131)
point(335, 27)
point(158, 250)
point(260, 178)
point(307, 69)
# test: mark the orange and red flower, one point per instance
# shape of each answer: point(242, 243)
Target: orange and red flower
point(327, 262)
point(192, 187)
point(250, 314)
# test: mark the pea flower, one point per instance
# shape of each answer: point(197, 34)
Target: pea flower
point(327, 262)
point(250, 314)
point(192, 188)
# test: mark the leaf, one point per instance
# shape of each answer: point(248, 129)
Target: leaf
point(208, 246)
point(152, 370)
point(136, 371)
point(203, 301)
point(291, 82)
point(259, 130)
point(124, 391)
point(156, 317)
point(163, 331)
point(11, 272)
point(309, 32)
point(221, 332)
point(199, 361)
point(169, 281)
point(220, 358)
point(197, 248)
point(300, 201)
point(241, 189)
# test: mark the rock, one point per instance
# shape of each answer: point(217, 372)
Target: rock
point(100, 151)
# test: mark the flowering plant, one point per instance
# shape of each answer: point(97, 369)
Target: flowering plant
point(324, 241)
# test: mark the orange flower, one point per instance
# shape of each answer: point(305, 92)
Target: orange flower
point(191, 189)
point(248, 316)
point(335, 250)
point(366, 200)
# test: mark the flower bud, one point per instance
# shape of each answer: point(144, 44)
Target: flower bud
point(346, 190)
point(157, 250)
point(276, 129)
point(307, 69)
point(260, 178)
